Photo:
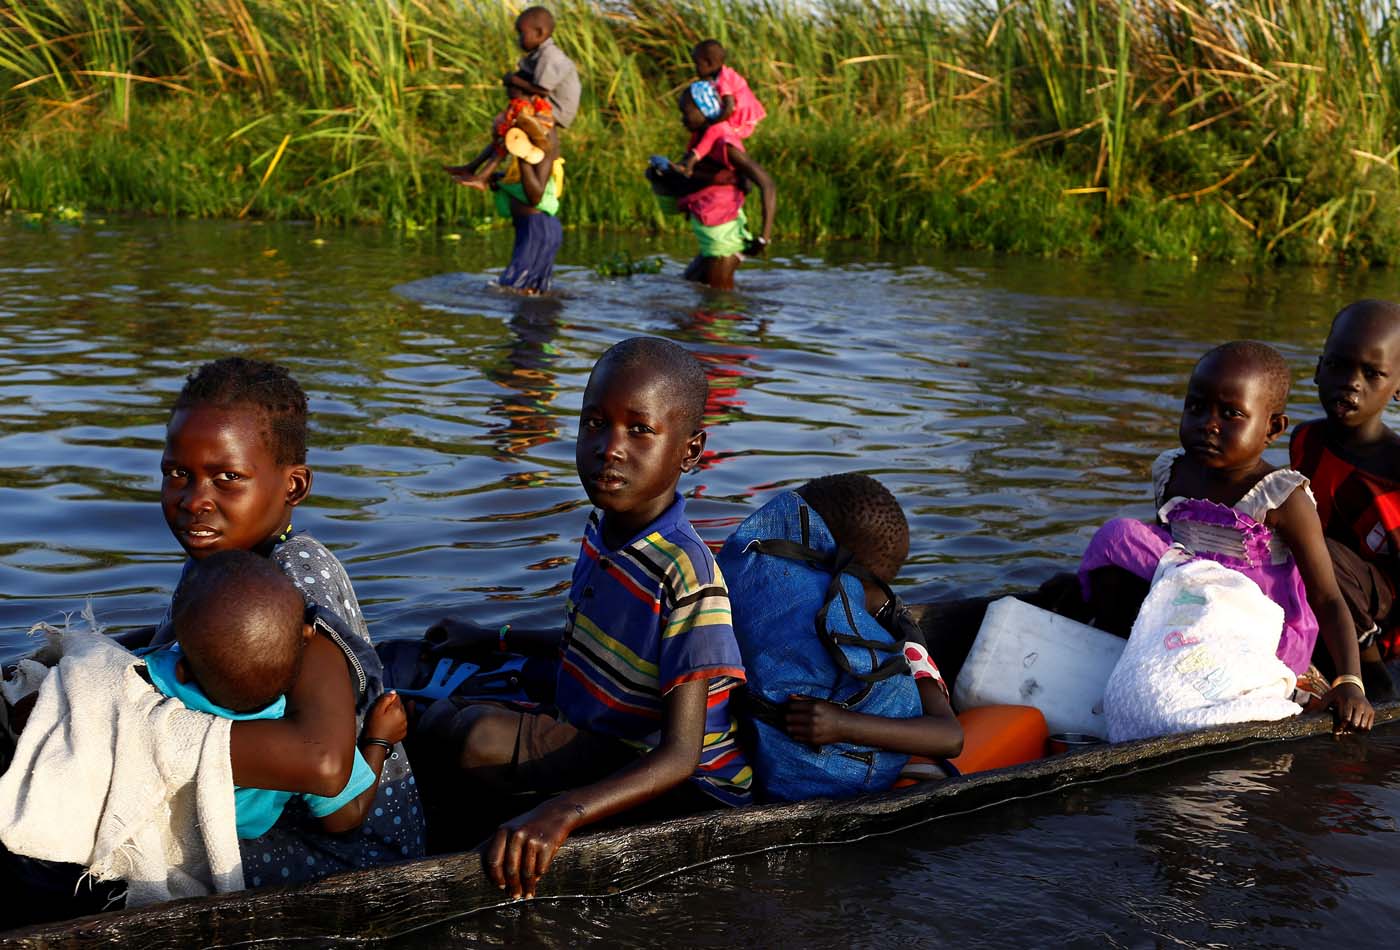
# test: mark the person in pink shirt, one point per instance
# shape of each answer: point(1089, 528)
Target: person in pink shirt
point(713, 200)
point(739, 109)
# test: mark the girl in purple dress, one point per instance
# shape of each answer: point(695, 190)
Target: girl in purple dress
point(1219, 499)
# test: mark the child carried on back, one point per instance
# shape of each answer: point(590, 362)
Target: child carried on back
point(841, 686)
point(543, 93)
point(543, 97)
point(1219, 500)
point(712, 199)
point(723, 98)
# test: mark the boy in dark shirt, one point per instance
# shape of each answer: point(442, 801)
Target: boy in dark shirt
point(1352, 459)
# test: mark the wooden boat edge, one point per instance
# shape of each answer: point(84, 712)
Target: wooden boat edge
point(395, 899)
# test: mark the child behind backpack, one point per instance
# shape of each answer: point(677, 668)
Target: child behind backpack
point(833, 717)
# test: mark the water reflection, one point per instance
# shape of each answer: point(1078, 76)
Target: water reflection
point(1277, 847)
point(1011, 405)
point(525, 373)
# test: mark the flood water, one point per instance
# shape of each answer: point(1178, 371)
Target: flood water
point(1011, 405)
point(1282, 846)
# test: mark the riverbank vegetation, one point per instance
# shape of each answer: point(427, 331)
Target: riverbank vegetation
point(1224, 129)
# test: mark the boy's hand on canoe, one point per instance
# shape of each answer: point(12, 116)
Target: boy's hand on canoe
point(523, 847)
point(1350, 709)
point(814, 721)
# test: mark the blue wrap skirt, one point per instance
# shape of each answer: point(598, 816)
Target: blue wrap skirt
point(537, 240)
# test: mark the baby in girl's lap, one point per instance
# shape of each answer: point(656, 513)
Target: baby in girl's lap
point(241, 633)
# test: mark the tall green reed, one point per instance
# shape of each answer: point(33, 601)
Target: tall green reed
point(1227, 128)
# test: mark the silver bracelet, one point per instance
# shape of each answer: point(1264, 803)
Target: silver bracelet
point(388, 746)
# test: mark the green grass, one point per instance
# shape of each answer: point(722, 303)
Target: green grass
point(1243, 129)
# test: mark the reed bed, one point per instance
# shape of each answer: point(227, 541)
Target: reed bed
point(1225, 129)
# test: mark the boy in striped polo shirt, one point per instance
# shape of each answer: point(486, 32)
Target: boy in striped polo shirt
point(648, 660)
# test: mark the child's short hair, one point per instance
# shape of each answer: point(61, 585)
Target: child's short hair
point(1382, 309)
point(686, 385)
point(540, 13)
point(1264, 360)
point(864, 518)
point(239, 621)
point(710, 47)
point(267, 387)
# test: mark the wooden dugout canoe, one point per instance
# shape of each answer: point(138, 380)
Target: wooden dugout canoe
point(390, 901)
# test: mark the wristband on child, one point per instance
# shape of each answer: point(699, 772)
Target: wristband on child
point(1351, 678)
point(370, 740)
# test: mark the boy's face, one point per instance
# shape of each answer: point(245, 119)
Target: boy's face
point(633, 444)
point(530, 32)
point(1226, 421)
point(1359, 369)
point(707, 64)
point(221, 486)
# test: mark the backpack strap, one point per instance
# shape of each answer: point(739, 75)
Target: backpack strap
point(836, 564)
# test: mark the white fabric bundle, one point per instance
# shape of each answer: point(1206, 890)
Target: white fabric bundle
point(112, 775)
point(1201, 654)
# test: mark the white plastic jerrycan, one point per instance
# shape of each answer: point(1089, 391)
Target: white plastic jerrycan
point(1026, 656)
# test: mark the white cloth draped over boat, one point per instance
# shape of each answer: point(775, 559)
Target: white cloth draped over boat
point(112, 775)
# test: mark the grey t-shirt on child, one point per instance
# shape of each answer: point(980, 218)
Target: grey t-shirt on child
point(548, 67)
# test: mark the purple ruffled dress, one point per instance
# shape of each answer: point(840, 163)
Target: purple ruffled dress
point(1233, 536)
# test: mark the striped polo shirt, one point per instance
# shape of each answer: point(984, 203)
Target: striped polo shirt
point(642, 620)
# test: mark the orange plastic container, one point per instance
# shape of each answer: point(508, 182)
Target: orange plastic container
point(997, 736)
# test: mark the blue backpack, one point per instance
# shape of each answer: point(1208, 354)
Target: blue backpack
point(800, 619)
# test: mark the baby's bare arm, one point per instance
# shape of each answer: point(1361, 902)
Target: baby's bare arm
point(387, 721)
point(312, 748)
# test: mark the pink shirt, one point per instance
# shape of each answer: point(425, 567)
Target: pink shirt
point(748, 111)
point(716, 204)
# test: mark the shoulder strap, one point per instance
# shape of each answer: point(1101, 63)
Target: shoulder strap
point(331, 626)
point(836, 564)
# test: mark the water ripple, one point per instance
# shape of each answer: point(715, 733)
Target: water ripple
point(1011, 405)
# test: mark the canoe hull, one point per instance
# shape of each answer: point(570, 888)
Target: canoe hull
point(388, 901)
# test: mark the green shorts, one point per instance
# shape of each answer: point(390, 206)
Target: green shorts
point(722, 240)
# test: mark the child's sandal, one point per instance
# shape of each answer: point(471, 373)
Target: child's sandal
point(519, 144)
